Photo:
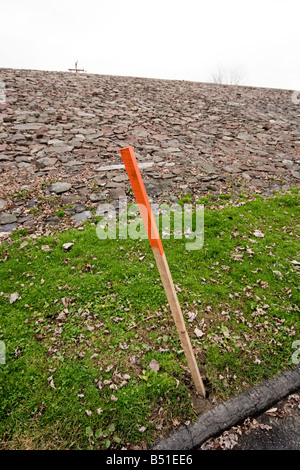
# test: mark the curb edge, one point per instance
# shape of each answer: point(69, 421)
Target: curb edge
point(225, 415)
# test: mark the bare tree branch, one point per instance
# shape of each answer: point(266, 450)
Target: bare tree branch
point(231, 76)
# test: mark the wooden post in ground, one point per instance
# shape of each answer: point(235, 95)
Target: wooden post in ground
point(139, 190)
point(76, 70)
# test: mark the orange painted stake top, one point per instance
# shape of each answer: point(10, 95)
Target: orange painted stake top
point(136, 181)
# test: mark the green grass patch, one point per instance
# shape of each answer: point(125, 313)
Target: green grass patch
point(88, 322)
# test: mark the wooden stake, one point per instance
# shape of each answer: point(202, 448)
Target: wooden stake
point(139, 190)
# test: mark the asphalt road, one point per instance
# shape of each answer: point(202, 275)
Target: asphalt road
point(283, 435)
point(276, 429)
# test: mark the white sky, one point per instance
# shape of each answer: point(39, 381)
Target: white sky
point(185, 40)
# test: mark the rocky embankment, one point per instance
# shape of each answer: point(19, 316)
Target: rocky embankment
point(60, 134)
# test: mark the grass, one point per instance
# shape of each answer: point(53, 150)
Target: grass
point(90, 320)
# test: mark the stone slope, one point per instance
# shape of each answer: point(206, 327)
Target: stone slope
point(189, 137)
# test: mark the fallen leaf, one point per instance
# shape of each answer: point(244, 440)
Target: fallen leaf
point(67, 246)
point(142, 429)
point(198, 332)
point(258, 234)
point(296, 263)
point(15, 296)
point(237, 257)
point(65, 301)
point(191, 316)
point(45, 248)
point(26, 243)
point(61, 316)
point(50, 379)
point(264, 285)
point(271, 412)
point(154, 365)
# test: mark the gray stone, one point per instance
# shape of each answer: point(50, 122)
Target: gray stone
point(3, 204)
point(17, 137)
point(184, 189)
point(258, 182)
point(207, 167)
point(119, 167)
point(7, 218)
point(110, 167)
point(29, 223)
point(75, 168)
point(59, 188)
point(25, 218)
point(47, 169)
point(95, 197)
point(205, 179)
point(61, 149)
point(46, 161)
point(8, 228)
point(28, 127)
point(64, 158)
point(68, 199)
point(295, 174)
point(71, 163)
point(23, 158)
point(288, 163)
point(54, 220)
point(192, 179)
point(82, 216)
point(231, 169)
point(153, 189)
point(120, 178)
point(244, 136)
point(5, 158)
point(112, 184)
point(23, 165)
point(79, 208)
point(115, 193)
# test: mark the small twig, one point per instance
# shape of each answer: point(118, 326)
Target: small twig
point(148, 318)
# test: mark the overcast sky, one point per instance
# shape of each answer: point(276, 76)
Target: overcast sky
point(185, 40)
